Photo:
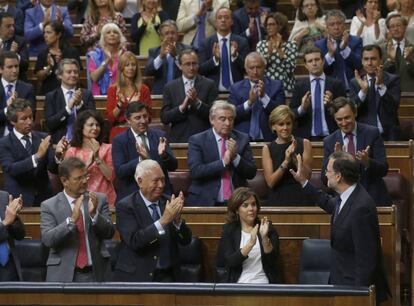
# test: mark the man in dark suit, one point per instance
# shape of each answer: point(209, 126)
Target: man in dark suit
point(63, 103)
point(398, 52)
point(312, 97)
point(137, 144)
point(341, 50)
point(220, 159)
point(150, 227)
point(222, 55)
point(247, 22)
point(12, 42)
point(35, 19)
point(16, 13)
point(11, 228)
point(365, 143)
point(162, 61)
point(255, 97)
point(74, 224)
point(11, 88)
point(24, 156)
point(187, 100)
point(355, 237)
point(377, 94)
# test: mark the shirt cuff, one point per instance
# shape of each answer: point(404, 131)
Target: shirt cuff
point(159, 227)
point(362, 95)
point(345, 52)
point(68, 110)
point(305, 183)
point(248, 32)
point(41, 26)
point(382, 89)
point(246, 105)
point(236, 161)
point(79, 106)
point(216, 63)
point(329, 59)
point(199, 103)
point(5, 110)
point(301, 111)
point(157, 62)
point(265, 100)
point(34, 162)
point(177, 225)
point(95, 218)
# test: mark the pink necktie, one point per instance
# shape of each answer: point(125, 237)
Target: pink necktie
point(351, 145)
point(82, 258)
point(225, 177)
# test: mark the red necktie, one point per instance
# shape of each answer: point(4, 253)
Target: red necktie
point(254, 36)
point(225, 176)
point(82, 259)
point(351, 145)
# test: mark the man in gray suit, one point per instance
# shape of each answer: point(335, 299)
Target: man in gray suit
point(73, 225)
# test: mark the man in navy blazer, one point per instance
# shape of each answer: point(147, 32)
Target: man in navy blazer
point(24, 156)
point(314, 121)
point(151, 228)
point(367, 146)
point(128, 150)
point(11, 88)
point(217, 156)
point(164, 58)
point(222, 54)
point(377, 94)
point(341, 50)
point(16, 13)
point(11, 228)
point(59, 103)
point(247, 22)
point(35, 19)
point(356, 257)
point(255, 97)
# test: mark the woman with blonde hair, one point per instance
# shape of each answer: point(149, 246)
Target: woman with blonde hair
point(279, 157)
point(99, 13)
point(145, 24)
point(103, 61)
point(128, 88)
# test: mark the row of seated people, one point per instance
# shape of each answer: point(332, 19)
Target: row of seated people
point(75, 222)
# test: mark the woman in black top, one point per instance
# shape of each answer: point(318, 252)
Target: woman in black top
point(48, 59)
point(280, 155)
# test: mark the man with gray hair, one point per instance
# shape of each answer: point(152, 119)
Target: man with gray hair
point(162, 61)
point(150, 227)
point(341, 50)
point(220, 159)
point(255, 97)
point(65, 102)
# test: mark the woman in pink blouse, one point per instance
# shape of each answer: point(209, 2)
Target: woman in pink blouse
point(103, 61)
point(87, 145)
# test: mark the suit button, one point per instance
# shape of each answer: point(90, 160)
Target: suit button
point(155, 257)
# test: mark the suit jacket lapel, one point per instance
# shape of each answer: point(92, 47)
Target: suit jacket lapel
point(360, 137)
point(61, 98)
point(212, 139)
point(181, 91)
point(153, 141)
point(346, 208)
point(132, 151)
point(65, 210)
point(142, 210)
point(2, 96)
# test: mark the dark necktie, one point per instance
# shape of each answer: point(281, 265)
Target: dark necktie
point(372, 103)
point(164, 258)
point(337, 207)
point(72, 118)
point(170, 68)
point(317, 113)
point(340, 66)
point(225, 64)
point(225, 175)
point(351, 145)
point(82, 258)
point(143, 138)
point(28, 143)
point(9, 93)
point(398, 57)
point(155, 215)
point(201, 30)
point(254, 36)
point(257, 108)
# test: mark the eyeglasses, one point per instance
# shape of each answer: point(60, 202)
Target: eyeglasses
point(81, 178)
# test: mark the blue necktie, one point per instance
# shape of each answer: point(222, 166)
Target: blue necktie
point(28, 144)
point(372, 103)
point(225, 64)
point(4, 253)
point(170, 68)
point(8, 94)
point(337, 206)
point(155, 215)
point(164, 258)
point(254, 131)
point(201, 30)
point(317, 112)
point(71, 120)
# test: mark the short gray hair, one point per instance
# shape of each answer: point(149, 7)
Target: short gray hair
point(168, 23)
point(334, 13)
point(144, 167)
point(254, 55)
point(18, 105)
point(222, 104)
point(111, 26)
point(66, 61)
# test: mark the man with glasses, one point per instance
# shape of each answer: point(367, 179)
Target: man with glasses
point(74, 224)
point(362, 141)
point(220, 159)
point(187, 99)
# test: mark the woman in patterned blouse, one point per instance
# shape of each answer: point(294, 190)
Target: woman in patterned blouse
point(279, 53)
point(99, 13)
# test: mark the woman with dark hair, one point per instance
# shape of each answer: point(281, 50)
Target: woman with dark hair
point(49, 58)
point(368, 24)
point(280, 54)
point(128, 88)
point(279, 157)
point(145, 24)
point(310, 25)
point(249, 247)
point(87, 145)
point(99, 13)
